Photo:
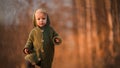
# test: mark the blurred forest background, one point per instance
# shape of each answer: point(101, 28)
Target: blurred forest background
point(90, 30)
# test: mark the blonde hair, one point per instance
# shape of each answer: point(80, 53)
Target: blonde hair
point(42, 10)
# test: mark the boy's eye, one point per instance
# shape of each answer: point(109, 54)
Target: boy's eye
point(43, 18)
point(38, 18)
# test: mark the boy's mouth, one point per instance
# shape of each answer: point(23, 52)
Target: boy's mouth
point(42, 23)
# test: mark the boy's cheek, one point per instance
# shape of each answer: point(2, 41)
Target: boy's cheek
point(45, 21)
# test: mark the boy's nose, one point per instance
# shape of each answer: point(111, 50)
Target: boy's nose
point(41, 20)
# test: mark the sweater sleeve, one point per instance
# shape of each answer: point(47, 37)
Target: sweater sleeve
point(29, 43)
point(56, 36)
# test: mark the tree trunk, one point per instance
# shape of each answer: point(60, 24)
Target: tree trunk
point(98, 33)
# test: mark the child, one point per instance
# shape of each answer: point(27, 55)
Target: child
point(39, 48)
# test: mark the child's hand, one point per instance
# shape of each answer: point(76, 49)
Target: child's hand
point(57, 40)
point(26, 51)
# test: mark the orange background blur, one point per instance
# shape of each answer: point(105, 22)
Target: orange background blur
point(90, 30)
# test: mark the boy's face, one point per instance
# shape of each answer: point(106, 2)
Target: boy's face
point(41, 18)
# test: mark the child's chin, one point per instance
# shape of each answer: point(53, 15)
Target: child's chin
point(40, 25)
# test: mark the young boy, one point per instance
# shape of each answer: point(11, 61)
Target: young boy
point(40, 44)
